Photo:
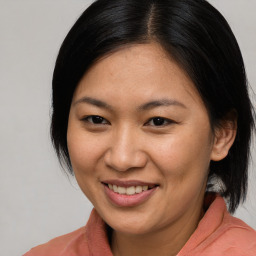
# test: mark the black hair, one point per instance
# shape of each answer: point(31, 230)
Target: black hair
point(192, 32)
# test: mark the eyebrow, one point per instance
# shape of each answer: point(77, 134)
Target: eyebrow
point(95, 102)
point(147, 106)
point(161, 103)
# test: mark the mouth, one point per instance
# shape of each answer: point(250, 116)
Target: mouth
point(129, 190)
point(129, 193)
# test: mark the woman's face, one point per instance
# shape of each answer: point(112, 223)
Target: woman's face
point(138, 126)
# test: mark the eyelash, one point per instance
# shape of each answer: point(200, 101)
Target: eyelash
point(163, 121)
point(87, 119)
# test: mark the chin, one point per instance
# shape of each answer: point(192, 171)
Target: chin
point(131, 229)
point(131, 223)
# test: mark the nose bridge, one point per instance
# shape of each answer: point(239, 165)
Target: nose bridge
point(125, 151)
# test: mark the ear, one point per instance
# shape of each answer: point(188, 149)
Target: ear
point(224, 138)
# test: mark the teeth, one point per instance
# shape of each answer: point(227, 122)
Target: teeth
point(144, 188)
point(115, 188)
point(138, 189)
point(121, 190)
point(128, 191)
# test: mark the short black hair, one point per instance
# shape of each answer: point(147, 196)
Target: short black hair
point(192, 32)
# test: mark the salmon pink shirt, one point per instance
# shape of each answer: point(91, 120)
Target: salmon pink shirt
point(218, 234)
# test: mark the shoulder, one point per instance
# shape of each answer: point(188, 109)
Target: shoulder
point(219, 233)
point(91, 239)
point(232, 237)
point(236, 235)
point(62, 245)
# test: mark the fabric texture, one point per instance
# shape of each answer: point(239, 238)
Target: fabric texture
point(218, 234)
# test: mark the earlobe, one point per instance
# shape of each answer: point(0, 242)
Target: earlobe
point(224, 138)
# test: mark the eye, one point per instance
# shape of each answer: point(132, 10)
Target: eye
point(159, 121)
point(96, 120)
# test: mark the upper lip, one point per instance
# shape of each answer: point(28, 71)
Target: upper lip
point(129, 183)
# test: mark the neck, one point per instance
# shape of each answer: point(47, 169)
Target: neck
point(167, 241)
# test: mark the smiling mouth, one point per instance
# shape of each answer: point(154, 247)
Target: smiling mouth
point(131, 190)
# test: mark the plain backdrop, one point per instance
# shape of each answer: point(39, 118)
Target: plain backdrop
point(38, 201)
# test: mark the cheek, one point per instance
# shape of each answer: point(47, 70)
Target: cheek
point(184, 154)
point(83, 149)
point(83, 156)
point(83, 160)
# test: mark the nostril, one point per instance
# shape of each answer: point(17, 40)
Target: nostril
point(123, 157)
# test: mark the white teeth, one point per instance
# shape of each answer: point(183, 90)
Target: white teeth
point(138, 189)
point(144, 188)
point(121, 190)
point(128, 191)
point(115, 188)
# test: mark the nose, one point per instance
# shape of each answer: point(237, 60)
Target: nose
point(125, 151)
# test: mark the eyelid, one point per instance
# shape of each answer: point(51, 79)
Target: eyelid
point(86, 119)
point(166, 120)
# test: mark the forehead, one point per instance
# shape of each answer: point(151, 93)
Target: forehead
point(136, 68)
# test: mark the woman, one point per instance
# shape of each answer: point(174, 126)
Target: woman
point(151, 113)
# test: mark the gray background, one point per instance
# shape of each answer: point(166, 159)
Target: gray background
point(38, 201)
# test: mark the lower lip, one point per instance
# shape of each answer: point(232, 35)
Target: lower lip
point(128, 200)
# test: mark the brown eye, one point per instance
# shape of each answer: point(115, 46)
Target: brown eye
point(159, 121)
point(96, 120)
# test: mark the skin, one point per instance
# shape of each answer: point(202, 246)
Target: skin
point(127, 145)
